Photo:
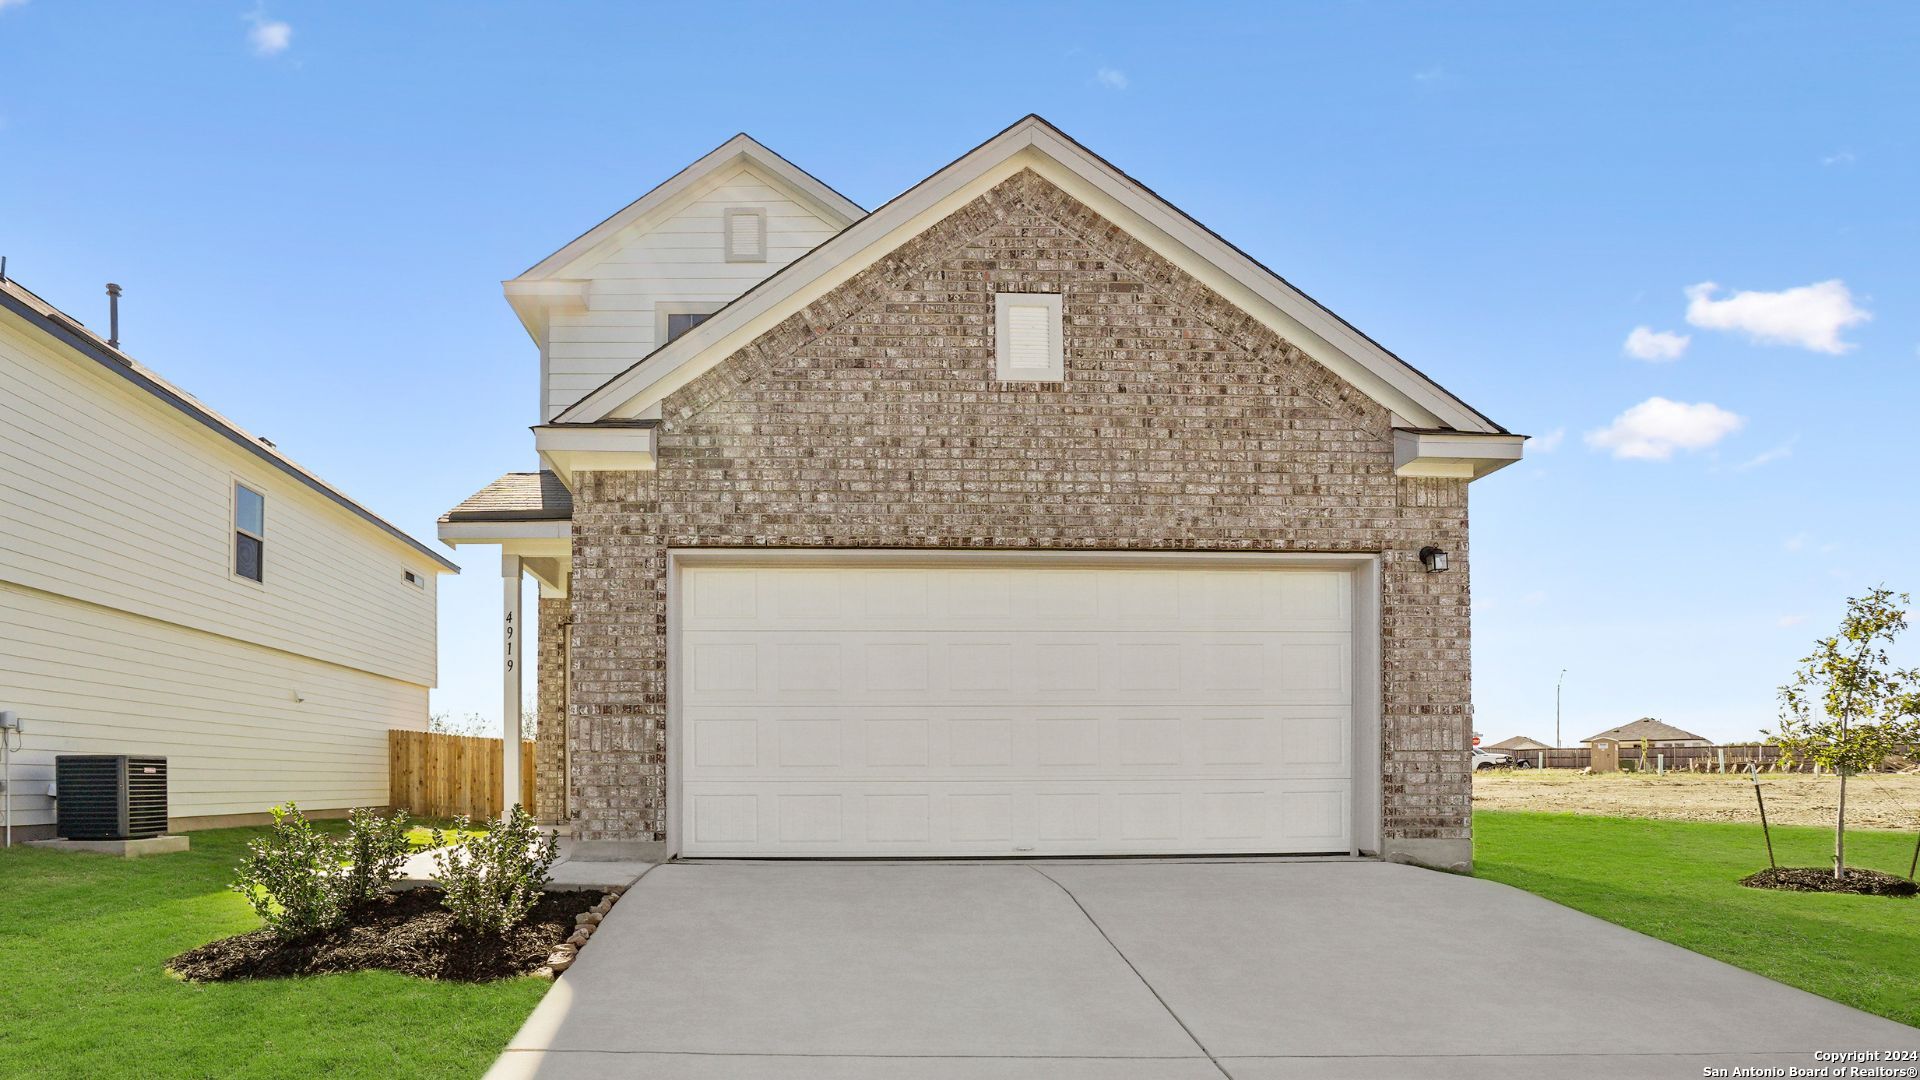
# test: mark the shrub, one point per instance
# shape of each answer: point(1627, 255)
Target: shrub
point(375, 849)
point(292, 876)
point(492, 879)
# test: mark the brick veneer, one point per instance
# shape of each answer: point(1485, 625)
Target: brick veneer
point(872, 419)
point(550, 708)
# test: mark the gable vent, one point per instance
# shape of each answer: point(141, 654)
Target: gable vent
point(746, 234)
point(1027, 344)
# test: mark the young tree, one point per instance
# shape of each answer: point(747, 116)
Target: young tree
point(1847, 707)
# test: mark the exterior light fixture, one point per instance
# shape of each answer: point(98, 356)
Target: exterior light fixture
point(1433, 559)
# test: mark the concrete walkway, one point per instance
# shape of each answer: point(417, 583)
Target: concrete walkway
point(1142, 970)
point(568, 873)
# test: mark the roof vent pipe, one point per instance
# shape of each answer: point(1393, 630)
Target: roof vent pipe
point(113, 315)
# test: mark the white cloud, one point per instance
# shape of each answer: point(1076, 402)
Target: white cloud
point(1655, 428)
point(5, 4)
point(1430, 75)
point(1646, 343)
point(1548, 443)
point(1767, 457)
point(1796, 542)
point(269, 37)
point(1786, 621)
point(1842, 157)
point(1111, 78)
point(1810, 316)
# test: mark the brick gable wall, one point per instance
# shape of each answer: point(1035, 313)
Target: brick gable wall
point(873, 419)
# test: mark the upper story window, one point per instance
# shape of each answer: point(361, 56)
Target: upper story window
point(1027, 342)
point(249, 533)
point(671, 318)
point(746, 233)
point(680, 322)
point(413, 578)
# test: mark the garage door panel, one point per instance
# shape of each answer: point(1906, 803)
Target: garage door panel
point(1008, 667)
point(885, 710)
point(1038, 599)
point(1032, 745)
point(1109, 817)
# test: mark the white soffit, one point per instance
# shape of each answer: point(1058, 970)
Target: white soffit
point(1034, 144)
point(1453, 454)
point(570, 449)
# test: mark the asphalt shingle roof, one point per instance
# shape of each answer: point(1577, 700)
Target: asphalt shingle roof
point(517, 496)
point(1644, 728)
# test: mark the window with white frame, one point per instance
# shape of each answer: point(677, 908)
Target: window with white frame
point(1027, 344)
point(746, 233)
point(673, 318)
point(249, 533)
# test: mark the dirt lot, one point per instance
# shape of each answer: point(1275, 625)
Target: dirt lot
point(1883, 801)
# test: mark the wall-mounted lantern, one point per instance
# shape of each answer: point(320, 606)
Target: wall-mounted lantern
point(1433, 559)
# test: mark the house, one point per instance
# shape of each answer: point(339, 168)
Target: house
point(1655, 733)
point(1020, 515)
point(1519, 744)
point(172, 585)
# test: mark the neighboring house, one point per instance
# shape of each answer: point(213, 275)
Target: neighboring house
point(1022, 515)
point(1654, 732)
point(1518, 744)
point(172, 585)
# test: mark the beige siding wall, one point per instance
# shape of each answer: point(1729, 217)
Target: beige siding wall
point(86, 679)
point(110, 496)
point(678, 257)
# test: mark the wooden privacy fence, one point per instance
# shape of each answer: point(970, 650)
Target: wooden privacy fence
point(431, 775)
point(1682, 758)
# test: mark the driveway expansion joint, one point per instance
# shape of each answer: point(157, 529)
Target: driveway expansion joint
point(1136, 971)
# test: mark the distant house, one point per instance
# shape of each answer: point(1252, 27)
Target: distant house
point(173, 585)
point(1519, 743)
point(1652, 732)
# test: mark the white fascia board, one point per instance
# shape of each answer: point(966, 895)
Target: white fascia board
point(832, 206)
point(1034, 144)
point(537, 301)
point(1324, 336)
point(571, 449)
point(455, 533)
point(1458, 455)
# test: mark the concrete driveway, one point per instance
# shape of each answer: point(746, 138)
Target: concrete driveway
point(1145, 970)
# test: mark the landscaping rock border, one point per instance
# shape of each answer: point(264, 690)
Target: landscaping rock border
point(412, 933)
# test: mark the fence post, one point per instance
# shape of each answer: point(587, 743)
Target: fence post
point(1660, 764)
point(1723, 761)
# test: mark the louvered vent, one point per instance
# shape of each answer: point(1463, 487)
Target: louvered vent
point(110, 796)
point(746, 231)
point(1028, 345)
point(1027, 348)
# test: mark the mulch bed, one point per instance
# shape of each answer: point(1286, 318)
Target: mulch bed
point(408, 932)
point(1821, 879)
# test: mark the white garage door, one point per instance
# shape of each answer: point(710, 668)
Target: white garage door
point(841, 710)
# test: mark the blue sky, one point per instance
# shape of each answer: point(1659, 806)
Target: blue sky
point(311, 208)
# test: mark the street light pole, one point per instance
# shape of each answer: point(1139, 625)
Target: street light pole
point(1556, 706)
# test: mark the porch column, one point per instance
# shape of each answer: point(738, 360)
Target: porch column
point(512, 631)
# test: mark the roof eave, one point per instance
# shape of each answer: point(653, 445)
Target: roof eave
point(119, 364)
point(811, 190)
point(1420, 392)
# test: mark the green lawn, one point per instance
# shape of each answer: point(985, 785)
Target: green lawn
point(82, 991)
point(1679, 881)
